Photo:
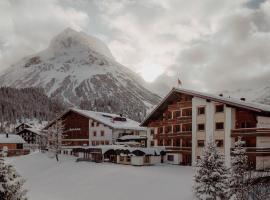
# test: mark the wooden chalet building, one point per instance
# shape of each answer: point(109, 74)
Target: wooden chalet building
point(186, 119)
point(34, 138)
point(22, 126)
point(89, 128)
point(12, 145)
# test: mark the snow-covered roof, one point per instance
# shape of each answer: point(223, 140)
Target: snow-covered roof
point(147, 151)
point(24, 123)
point(11, 139)
point(109, 119)
point(258, 107)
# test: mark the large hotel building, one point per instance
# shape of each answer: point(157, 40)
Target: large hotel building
point(185, 120)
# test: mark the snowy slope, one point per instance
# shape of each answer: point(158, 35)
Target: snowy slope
point(80, 70)
point(68, 180)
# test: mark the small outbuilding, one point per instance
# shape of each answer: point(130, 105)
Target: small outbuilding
point(121, 154)
point(12, 145)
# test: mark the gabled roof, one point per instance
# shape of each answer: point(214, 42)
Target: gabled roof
point(11, 139)
point(25, 124)
point(33, 130)
point(256, 107)
point(106, 118)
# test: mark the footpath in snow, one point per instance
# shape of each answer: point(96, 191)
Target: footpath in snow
point(67, 180)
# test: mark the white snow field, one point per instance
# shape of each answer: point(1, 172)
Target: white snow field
point(68, 180)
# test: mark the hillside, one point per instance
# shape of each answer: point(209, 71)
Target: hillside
point(28, 103)
point(80, 70)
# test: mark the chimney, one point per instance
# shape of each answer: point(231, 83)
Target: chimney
point(7, 135)
point(221, 95)
point(243, 99)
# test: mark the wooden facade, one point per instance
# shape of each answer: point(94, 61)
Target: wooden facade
point(171, 123)
point(174, 128)
point(76, 131)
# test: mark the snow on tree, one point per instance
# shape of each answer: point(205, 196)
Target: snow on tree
point(238, 186)
point(211, 177)
point(11, 183)
point(55, 137)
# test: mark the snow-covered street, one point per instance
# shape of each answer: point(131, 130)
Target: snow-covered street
point(67, 180)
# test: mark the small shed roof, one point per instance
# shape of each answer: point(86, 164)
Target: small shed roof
point(11, 139)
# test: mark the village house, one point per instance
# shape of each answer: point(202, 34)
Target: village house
point(12, 145)
point(22, 126)
point(34, 138)
point(89, 128)
point(185, 120)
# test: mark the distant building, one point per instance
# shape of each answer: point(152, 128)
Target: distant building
point(89, 128)
point(185, 120)
point(34, 138)
point(22, 126)
point(12, 144)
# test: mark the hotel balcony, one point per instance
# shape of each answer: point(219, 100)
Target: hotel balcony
point(174, 149)
point(173, 135)
point(244, 132)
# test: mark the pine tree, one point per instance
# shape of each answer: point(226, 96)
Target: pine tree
point(211, 177)
point(11, 183)
point(238, 171)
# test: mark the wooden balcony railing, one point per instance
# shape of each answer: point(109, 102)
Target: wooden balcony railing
point(257, 150)
point(177, 120)
point(173, 134)
point(184, 149)
point(250, 132)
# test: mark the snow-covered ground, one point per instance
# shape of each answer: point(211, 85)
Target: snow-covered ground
point(67, 180)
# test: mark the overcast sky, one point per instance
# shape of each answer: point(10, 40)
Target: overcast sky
point(209, 44)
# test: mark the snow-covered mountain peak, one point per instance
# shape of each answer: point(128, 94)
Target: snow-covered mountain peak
point(79, 70)
point(73, 41)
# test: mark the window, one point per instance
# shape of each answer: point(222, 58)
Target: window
point(177, 114)
point(102, 133)
point(160, 130)
point(219, 125)
point(200, 143)
point(177, 143)
point(122, 158)
point(95, 133)
point(219, 108)
point(219, 143)
point(107, 142)
point(160, 143)
point(97, 124)
point(92, 124)
point(170, 158)
point(177, 128)
point(152, 143)
point(152, 131)
point(168, 142)
point(97, 142)
point(168, 129)
point(93, 143)
point(187, 112)
point(102, 142)
point(128, 159)
point(201, 110)
point(201, 127)
point(187, 127)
